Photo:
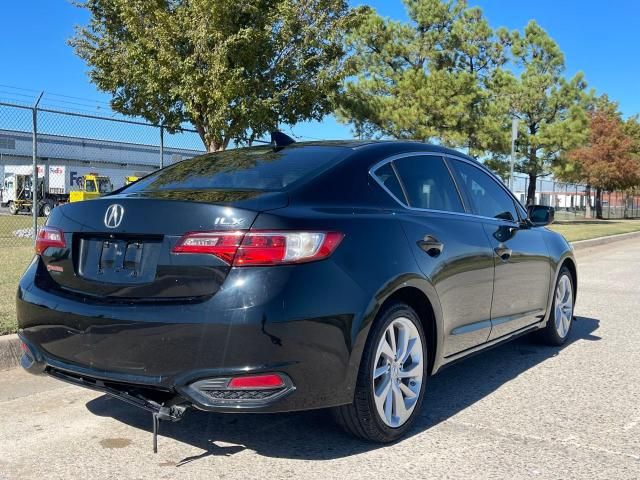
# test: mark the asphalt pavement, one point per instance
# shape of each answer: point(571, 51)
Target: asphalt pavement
point(520, 411)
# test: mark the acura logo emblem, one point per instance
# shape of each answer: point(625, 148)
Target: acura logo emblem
point(113, 216)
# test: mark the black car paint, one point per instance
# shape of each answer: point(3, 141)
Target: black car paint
point(309, 321)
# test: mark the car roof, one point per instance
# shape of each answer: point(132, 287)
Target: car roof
point(401, 145)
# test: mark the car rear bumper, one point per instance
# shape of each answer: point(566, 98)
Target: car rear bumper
point(263, 326)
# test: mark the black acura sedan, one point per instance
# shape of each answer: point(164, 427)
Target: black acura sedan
point(281, 278)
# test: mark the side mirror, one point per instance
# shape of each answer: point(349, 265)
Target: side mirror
point(539, 215)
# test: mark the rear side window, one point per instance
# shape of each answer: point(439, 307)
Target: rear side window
point(487, 197)
point(428, 183)
point(259, 168)
point(388, 178)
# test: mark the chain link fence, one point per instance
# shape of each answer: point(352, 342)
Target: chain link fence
point(77, 156)
point(80, 156)
point(574, 202)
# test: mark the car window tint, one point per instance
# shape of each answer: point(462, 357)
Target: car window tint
point(428, 183)
point(388, 178)
point(257, 168)
point(487, 197)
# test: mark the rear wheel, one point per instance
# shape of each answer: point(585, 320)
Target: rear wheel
point(13, 209)
point(391, 380)
point(561, 317)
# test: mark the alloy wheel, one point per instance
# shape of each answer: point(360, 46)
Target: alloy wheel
point(563, 306)
point(398, 372)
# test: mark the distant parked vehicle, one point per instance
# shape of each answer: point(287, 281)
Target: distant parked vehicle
point(57, 184)
point(91, 186)
point(328, 274)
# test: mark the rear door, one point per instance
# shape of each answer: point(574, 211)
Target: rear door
point(450, 247)
point(522, 265)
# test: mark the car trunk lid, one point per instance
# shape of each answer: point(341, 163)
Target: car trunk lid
point(119, 248)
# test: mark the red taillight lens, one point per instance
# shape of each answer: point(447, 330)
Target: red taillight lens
point(261, 248)
point(49, 237)
point(221, 244)
point(270, 380)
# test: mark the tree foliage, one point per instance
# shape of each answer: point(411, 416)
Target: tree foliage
point(608, 161)
point(550, 108)
point(235, 70)
point(432, 78)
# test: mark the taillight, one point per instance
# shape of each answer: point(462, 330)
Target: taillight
point(221, 244)
point(49, 237)
point(261, 248)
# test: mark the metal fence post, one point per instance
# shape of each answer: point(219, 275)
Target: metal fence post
point(34, 181)
point(161, 146)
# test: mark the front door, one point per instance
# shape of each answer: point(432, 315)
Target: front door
point(522, 266)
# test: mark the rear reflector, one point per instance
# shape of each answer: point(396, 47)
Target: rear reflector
point(49, 237)
point(261, 248)
point(270, 380)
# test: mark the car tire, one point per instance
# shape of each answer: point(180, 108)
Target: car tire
point(46, 208)
point(368, 419)
point(558, 327)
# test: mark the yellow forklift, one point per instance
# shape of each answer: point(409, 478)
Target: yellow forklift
point(91, 186)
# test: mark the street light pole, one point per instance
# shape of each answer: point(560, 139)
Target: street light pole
point(514, 137)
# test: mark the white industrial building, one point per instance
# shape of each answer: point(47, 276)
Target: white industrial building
point(16, 149)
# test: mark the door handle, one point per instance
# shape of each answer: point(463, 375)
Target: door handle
point(431, 245)
point(503, 252)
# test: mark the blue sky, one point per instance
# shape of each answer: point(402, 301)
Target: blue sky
point(598, 38)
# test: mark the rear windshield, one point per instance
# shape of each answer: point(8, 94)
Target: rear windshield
point(259, 168)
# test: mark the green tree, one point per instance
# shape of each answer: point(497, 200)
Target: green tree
point(432, 78)
point(235, 70)
point(551, 109)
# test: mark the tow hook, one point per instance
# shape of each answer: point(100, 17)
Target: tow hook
point(171, 413)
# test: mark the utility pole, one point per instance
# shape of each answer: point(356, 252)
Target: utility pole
point(34, 181)
point(514, 137)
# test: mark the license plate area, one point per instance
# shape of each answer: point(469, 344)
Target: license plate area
point(123, 261)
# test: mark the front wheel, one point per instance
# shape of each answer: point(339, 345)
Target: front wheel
point(13, 209)
point(391, 380)
point(561, 317)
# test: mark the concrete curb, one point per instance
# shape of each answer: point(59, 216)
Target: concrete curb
point(9, 351)
point(594, 242)
point(10, 344)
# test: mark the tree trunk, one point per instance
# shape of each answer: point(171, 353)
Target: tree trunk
point(587, 205)
point(212, 145)
point(599, 203)
point(531, 189)
point(215, 146)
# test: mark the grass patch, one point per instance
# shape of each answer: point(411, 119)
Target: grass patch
point(13, 261)
point(584, 230)
point(11, 223)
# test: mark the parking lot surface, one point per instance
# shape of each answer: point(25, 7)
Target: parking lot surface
point(519, 411)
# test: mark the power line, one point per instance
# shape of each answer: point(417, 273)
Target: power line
point(20, 88)
point(87, 102)
point(78, 98)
